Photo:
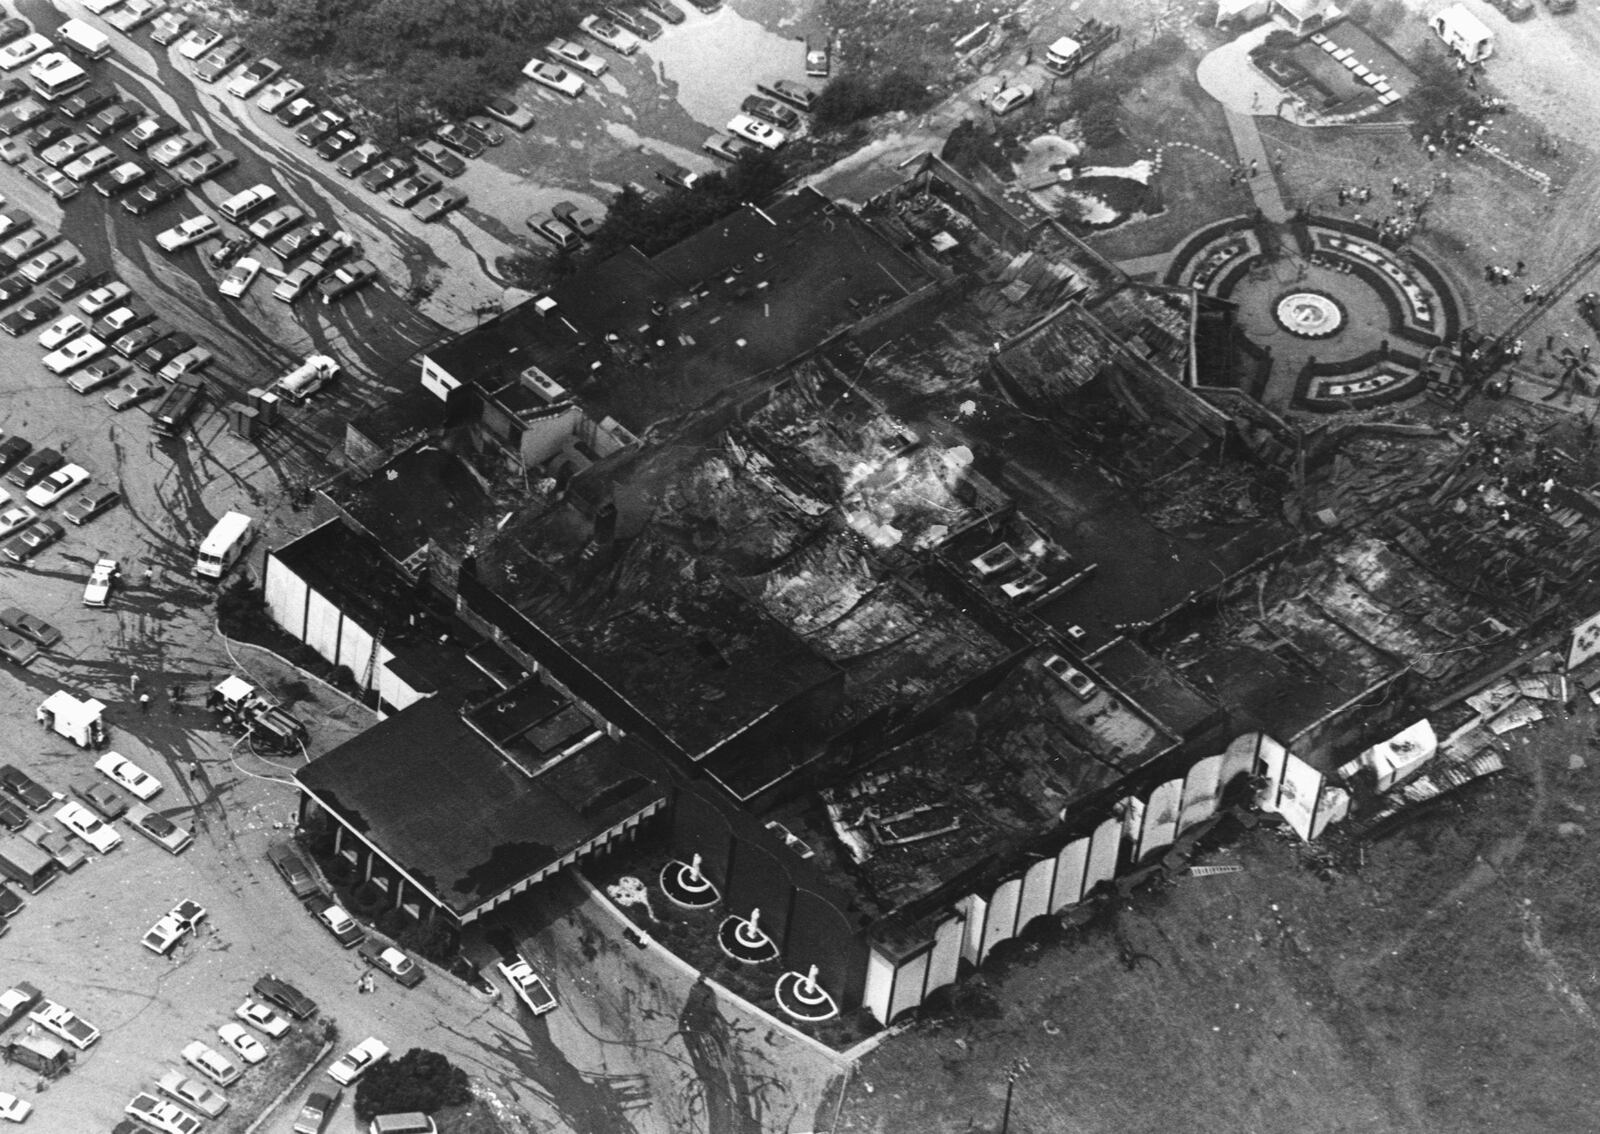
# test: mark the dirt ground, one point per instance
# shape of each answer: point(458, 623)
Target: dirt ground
point(1436, 981)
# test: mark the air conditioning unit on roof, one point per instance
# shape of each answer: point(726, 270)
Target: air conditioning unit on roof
point(543, 385)
point(544, 305)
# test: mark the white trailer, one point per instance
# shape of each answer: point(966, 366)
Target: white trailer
point(1463, 33)
point(86, 40)
point(80, 721)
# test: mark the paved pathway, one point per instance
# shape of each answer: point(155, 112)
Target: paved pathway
point(1263, 186)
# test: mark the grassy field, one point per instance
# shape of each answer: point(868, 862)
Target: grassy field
point(1437, 981)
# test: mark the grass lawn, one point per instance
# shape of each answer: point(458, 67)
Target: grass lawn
point(1169, 107)
point(287, 1058)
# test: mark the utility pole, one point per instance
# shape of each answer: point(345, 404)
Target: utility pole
point(1018, 1066)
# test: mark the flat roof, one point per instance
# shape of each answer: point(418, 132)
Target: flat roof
point(486, 826)
point(642, 339)
point(424, 494)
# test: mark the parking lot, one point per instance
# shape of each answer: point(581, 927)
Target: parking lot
point(612, 1056)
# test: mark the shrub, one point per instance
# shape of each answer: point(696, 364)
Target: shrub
point(241, 611)
point(854, 96)
point(394, 922)
point(419, 1080)
point(339, 870)
point(366, 898)
point(432, 939)
point(1101, 124)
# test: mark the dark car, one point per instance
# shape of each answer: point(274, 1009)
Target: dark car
point(276, 991)
point(229, 250)
point(115, 117)
point(30, 626)
point(294, 110)
point(393, 962)
point(314, 1114)
point(205, 166)
point(288, 863)
point(140, 339)
point(13, 28)
point(152, 195)
point(125, 177)
point(666, 9)
point(169, 348)
point(74, 280)
point(35, 467)
point(386, 173)
point(771, 111)
point(298, 243)
point(120, 321)
point(323, 123)
point(88, 505)
point(219, 61)
point(635, 21)
point(13, 89)
point(30, 791)
point(335, 250)
point(41, 138)
point(411, 190)
point(460, 139)
point(101, 796)
point(12, 818)
point(29, 316)
point(13, 449)
point(339, 142)
point(87, 102)
point(22, 116)
point(23, 547)
point(360, 158)
point(150, 130)
point(346, 279)
point(17, 649)
point(677, 176)
point(13, 288)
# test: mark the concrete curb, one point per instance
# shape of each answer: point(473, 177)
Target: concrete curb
point(687, 969)
point(299, 1081)
point(870, 1044)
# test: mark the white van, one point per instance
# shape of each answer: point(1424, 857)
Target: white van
point(242, 204)
point(224, 545)
point(307, 378)
point(412, 1122)
point(86, 40)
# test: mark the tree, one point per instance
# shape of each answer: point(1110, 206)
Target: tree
point(419, 1080)
point(1101, 124)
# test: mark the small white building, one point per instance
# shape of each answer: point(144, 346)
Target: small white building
point(1304, 16)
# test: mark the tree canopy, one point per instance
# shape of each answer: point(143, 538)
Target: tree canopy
point(419, 1080)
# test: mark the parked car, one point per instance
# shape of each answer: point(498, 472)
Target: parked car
point(797, 95)
point(771, 111)
point(89, 505)
point(168, 28)
point(170, 151)
point(66, 149)
point(295, 110)
point(15, 518)
point(32, 540)
point(314, 1113)
point(279, 94)
point(155, 357)
point(151, 195)
point(580, 222)
point(555, 232)
point(65, 1023)
point(35, 467)
point(45, 265)
point(158, 1114)
point(254, 77)
point(440, 158)
point(240, 277)
point(74, 280)
point(295, 283)
point(360, 158)
point(210, 1064)
point(729, 148)
point(319, 126)
point(262, 1018)
point(122, 178)
point(243, 1044)
point(118, 116)
point(570, 54)
point(386, 173)
point(299, 242)
point(604, 31)
point(358, 1061)
point(436, 205)
point(345, 279)
point(188, 232)
point(102, 797)
point(17, 649)
point(192, 1092)
point(97, 374)
point(392, 962)
point(197, 41)
point(203, 167)
point(677, 177)
point(33, 795)
point(136, 13)
point(666, 9)
point(341, 141)
point(411, 190)
point(90, 100)
point(125, 773)
point(277, 991)
point(30, 626)
point(191, 361)
point(91, 163)
point(1005, 101)
point(345, 929)
point(512, 114)
point(82, 822)
point(460, 139)
point(74, 354)
point(150, 130)
point(555, 78)
point(134, 389)
point(273, 224)
point(761, 133)
point(66, 479)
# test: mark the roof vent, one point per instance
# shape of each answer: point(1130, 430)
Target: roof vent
point(544, 305)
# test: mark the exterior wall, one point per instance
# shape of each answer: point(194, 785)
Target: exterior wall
point(436, 380)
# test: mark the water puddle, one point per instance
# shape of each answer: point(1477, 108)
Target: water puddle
point(695, 56)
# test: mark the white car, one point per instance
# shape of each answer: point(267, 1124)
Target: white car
point(197, 41)
point(126, 773)
point(158, 1114)
point(15, 519)
point(262, 1018)
point(64, 360)
point(558, 79)
point(164, 934)
point(240, 277)
point(29, 47)
point(254, 77)
point(103, 299)
point(13, 1109)
point(1004, 102)
point(53, 487)
point(82, 822)
point(357, 1061)
point(244, 1045)
point(279, 93)
point(206, 1061)
point(573, 55)
point(528, 985)
point(754, 130)
point(617, 38)
point(62, 331)
point(97, 591)
point(188, 232)
point(66, 1023)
